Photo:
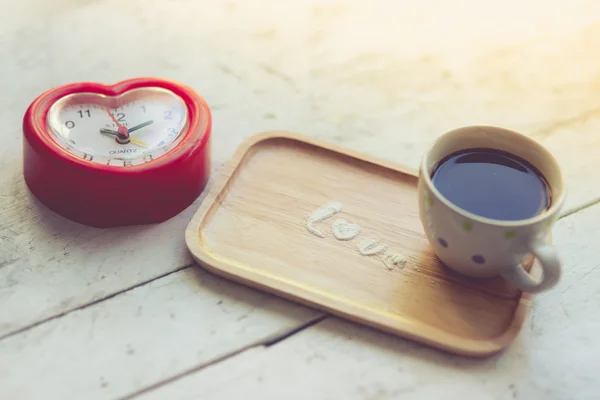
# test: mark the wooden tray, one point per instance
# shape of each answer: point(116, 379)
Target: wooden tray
point(251, 228)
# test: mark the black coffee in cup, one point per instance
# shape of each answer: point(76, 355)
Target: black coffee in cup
point(492, 184)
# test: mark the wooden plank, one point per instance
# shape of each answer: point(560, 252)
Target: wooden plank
point(143, 336)
point(576, 145)
point(555, 356)
point(387, 89)
point(395, 89)
point(49, 265)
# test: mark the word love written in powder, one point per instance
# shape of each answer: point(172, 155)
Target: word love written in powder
point(343, 230)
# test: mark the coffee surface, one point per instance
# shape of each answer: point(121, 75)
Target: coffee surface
point(493, 184)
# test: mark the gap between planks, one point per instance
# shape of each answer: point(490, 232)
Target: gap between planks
point(267, 342)
point(547, 131)
point(275, 338)
point(92, 303)
point(280, 337)
point(565, 214)
point(577, 209)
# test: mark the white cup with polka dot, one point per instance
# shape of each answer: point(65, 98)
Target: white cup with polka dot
point(478, 246)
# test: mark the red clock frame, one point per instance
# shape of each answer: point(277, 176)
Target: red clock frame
point(106, 196)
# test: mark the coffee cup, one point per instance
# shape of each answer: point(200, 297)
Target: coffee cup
point(488, 198)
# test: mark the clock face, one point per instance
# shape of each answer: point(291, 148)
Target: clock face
point(135, 128)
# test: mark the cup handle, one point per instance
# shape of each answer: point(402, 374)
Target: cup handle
point(551, 270)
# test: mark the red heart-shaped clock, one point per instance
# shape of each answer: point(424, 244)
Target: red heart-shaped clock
point(136, 152)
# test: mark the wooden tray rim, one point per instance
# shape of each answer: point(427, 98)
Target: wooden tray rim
point(316, 298)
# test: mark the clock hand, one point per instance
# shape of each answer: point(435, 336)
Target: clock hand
point(140, 126)
point(119, 135)
point(115, 133)
point(138, 142)
point(122, 129)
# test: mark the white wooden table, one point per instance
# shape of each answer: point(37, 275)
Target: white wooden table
point(124, 313)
